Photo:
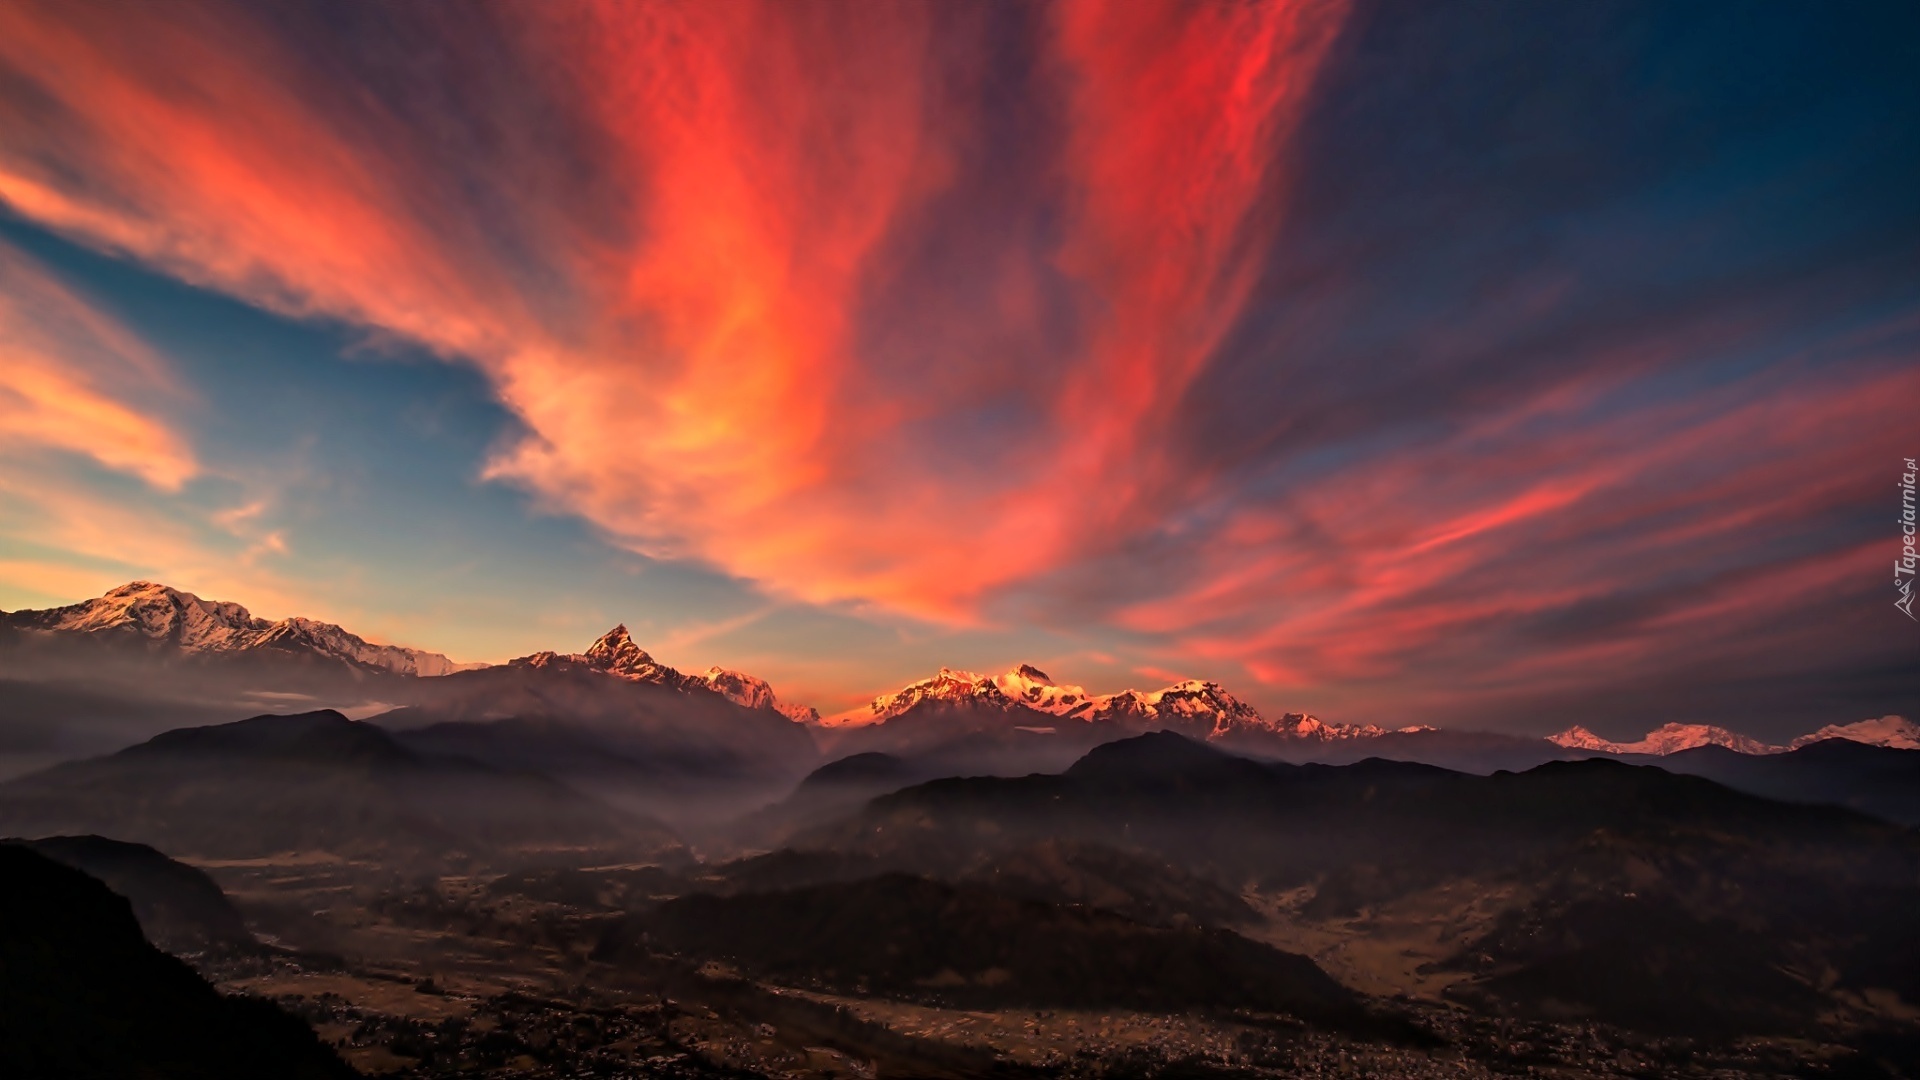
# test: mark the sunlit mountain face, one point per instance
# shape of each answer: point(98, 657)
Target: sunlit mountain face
point(1517, 368)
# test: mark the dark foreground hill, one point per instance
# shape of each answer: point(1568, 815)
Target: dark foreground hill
point(318, 782)
point(84, 996)
point(905, 936)
point(179, 907)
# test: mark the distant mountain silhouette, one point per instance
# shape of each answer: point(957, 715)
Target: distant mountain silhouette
point(180, 908)
point(320, 782)
point(83, 995)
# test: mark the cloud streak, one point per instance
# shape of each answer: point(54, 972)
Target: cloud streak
point(76, 381)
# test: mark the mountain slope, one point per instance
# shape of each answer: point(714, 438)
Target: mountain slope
point(83, 995)
point(319, 782)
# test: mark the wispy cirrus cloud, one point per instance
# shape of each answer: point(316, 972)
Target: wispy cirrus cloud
point(78, 382)
point(697, 377)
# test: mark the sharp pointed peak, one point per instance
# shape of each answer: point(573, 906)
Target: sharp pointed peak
point(617, 640)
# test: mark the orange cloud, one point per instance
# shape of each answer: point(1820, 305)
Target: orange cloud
point(76, 381)
point(1651, 524)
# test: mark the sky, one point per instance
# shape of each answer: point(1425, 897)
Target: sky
point(1489, 365)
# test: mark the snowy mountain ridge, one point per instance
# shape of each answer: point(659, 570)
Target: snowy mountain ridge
point(1891, 731)
point(164, 615)
point(1195, 707)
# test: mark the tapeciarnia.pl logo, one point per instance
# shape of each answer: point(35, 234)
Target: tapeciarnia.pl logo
point(1904, 566)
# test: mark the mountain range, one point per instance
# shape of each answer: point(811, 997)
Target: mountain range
point(92, 676)
point(1193, 707)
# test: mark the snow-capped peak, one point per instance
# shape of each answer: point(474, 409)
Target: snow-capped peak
point(1897, 732)
point(1579, 738)
point(167, 616)
point(616, 654)
point(949, 686)
point(1666, 739)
